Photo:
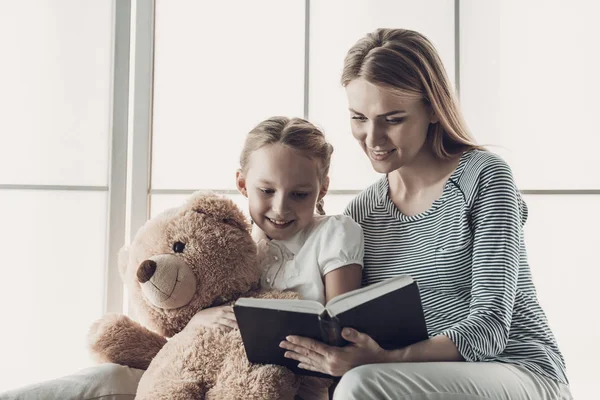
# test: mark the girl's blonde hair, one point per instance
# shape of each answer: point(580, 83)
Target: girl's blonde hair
point(295, 133)
point(406, 62)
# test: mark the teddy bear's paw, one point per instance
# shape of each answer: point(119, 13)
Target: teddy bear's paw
point(118, 339)
point(103, 329)
point(106, 325)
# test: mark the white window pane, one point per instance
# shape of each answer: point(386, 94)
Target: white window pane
point(336, 203)
point(56, 91)
point(335, 26)
point(529, 85)
point(219, 70)
point(53, 257)
point(161, 202)
point(562, 241)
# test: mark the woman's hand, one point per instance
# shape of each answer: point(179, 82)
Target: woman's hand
point(335, 361)
point(221, 317)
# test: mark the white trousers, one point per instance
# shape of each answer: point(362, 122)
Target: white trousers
point(447, 381)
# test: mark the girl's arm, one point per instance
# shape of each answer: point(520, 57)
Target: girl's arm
point(341, 255)
point(342, 280)
point(221, 317)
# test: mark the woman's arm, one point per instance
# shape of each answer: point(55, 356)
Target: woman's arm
point(342, 280)
point(335, 361)
point(438, 348)
point(497, 216)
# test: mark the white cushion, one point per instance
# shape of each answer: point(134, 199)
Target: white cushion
point(100, 382)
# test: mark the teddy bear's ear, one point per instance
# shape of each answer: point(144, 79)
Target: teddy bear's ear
point(123, 259)
point(197, 201)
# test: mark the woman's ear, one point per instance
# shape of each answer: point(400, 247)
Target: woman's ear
point(324, 188)
point(433, 118)
point(240, 182)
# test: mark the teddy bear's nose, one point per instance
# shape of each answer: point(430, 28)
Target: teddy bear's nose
point(146, 270)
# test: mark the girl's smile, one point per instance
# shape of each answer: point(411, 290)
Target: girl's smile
point(283, 186)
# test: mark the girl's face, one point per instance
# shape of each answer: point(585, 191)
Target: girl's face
point(391, 128)
point(282, 187)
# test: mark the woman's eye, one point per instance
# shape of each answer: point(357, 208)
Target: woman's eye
point(394, 120)
point(359, 117)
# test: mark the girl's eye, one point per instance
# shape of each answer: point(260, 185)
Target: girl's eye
point(300, 195)
point(394, 120)
point(267, 191)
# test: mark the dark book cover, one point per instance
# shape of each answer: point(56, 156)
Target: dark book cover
point(394, 319)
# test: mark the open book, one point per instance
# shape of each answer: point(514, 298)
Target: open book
point(389, 311)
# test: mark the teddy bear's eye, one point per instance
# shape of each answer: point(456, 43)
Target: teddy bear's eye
point(178, 247)
point(232, 222)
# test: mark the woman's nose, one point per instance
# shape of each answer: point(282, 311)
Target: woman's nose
point(374, 135)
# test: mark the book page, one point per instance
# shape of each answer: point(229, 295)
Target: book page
point(357, 297)
point(303, 306)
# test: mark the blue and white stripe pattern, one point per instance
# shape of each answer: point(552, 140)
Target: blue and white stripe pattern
point(468, 256)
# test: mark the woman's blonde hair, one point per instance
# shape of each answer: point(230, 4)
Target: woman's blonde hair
point(407, 62)
point(295, 133)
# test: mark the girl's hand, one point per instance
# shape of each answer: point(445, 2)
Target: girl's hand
point(220, 317)
point(335, 361)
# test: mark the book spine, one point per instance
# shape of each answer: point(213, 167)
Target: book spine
point(331, 330)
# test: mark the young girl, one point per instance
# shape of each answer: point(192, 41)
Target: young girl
point(284, 175)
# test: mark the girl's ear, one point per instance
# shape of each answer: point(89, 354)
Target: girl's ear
point(324, 189)
point(240, 182)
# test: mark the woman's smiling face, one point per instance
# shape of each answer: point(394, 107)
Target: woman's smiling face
point(390, 127)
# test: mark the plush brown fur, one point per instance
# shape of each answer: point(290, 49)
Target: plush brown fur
point(190, 258)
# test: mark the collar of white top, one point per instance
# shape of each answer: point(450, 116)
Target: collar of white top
point(295, 243)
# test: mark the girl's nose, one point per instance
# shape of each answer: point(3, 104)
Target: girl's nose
point(279, 205)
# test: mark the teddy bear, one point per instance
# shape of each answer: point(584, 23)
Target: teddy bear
point(184, 260)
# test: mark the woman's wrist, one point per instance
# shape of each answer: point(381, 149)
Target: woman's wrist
point(392, 356)
point(439, 348)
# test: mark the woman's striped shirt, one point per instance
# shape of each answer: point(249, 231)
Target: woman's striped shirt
point(468, 256)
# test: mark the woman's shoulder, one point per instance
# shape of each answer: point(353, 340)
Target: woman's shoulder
point(478, 168)
point(485, 162)
point(486, 178)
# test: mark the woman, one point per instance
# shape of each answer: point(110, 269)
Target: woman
point(449, 214)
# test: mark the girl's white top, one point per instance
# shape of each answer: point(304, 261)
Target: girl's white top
point(301, 262)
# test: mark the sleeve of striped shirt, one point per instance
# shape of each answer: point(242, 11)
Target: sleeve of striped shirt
point(496, 223)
